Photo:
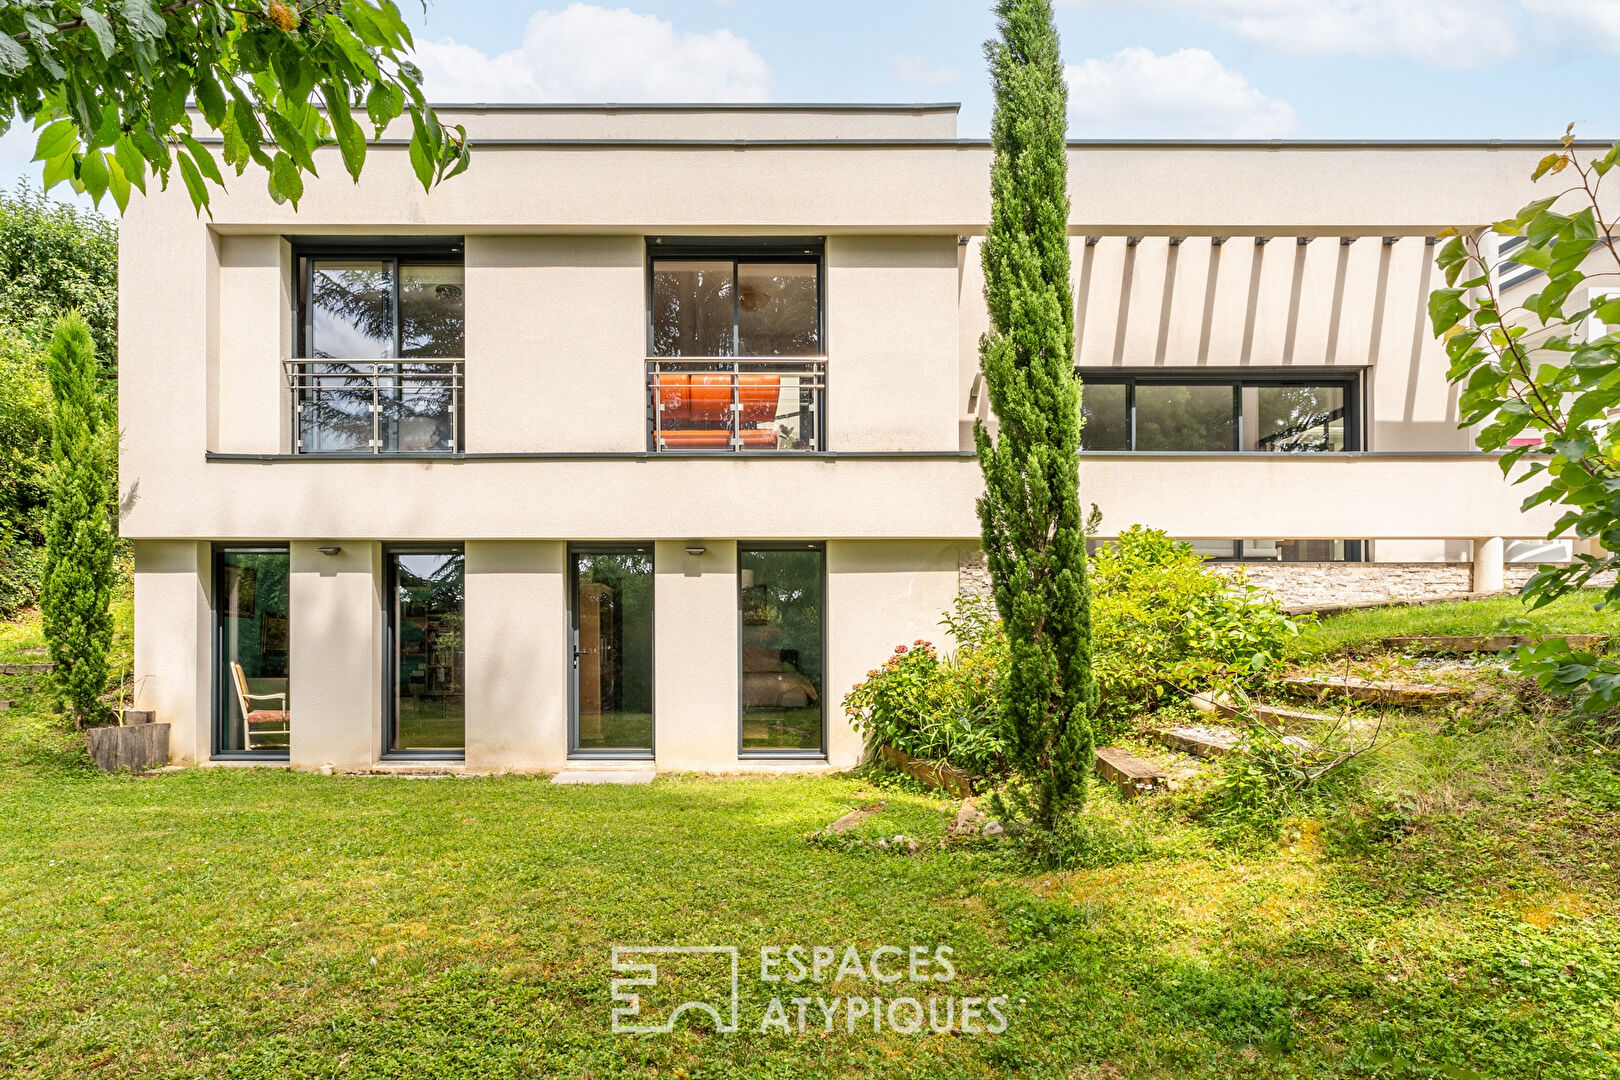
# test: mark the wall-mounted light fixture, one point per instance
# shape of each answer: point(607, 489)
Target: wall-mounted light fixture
point(329, 549)
point(695, 549)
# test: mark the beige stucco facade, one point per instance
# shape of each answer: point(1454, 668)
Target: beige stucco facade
point(1197, 257)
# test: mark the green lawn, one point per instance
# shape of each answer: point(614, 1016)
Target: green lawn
point(1571, 614)
point(256, 923)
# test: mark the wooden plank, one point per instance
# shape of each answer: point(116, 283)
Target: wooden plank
point(1443, 645)
point(136, 748)
point(1130, 774)
point(1373, 692)
point(854, 818)
point(935, 774)
point(27, 669)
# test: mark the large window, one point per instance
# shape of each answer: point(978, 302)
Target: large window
point(734, 348)
point(426, 656)
point(381, 340)
point(781, 610)
point(1274, 412)
point(611, 623)
point(252, 702)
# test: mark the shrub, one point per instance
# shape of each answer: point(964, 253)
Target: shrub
point(937, 707)
point(79, 537)
point(1165, 621)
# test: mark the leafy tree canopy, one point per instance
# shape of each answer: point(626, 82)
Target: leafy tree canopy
point(107, 82)
point(55, 258)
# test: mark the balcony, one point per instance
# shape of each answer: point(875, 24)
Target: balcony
point(731, 404)
point(375, 406)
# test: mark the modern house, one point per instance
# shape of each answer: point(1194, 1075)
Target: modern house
point(643, 440)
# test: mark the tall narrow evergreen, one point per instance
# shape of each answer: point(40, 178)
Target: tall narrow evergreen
point(1034, 539)
point(75, 601)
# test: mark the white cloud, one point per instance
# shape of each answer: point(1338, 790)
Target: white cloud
point(1450, 33)
point(917, 71)
point(1137, 93)
point(1596, 22)
point(589, 53)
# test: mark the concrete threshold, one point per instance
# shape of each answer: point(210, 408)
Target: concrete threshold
point(580, 773)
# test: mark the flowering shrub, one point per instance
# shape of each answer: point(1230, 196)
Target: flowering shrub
point(939, 707)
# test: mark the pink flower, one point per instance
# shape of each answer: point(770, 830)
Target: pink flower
point(900, 650)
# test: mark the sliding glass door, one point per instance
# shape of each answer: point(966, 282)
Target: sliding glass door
point(252, 707)
point(781, 591)
point(611, 646)
point(426, 704)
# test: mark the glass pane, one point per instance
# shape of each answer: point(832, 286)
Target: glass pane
point(419, 408)
point(1300, 419)
point(778, 410)
point(778, 309)
point(1107, 423)
point(613, 640)
point(691, 308)
point(432, 310)
point(1295, 550)
point(781, 601)
point(429, 668)
point(336, 408)
point(1184, 417)
point(251, 600)
point(351, 309)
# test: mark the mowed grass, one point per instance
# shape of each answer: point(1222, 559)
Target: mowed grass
point(1575, 613)
point(259, 923)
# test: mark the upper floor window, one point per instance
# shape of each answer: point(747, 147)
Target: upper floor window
point(1272, 412)
point(734, 350)
point(381, 334)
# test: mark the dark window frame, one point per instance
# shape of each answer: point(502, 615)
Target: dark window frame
point(572, 642)
point(739, 249)
point(390, 651)
point(1238, 379)
point(219, 701)
point(765, 752)
point(390, 250)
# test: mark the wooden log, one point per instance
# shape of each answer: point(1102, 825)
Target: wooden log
point(136, 717)
point(1444, 645)
point(138, 749)
point(935, 774)
point(27, 669)
point(1406, 694)
point(1225, 707)
point(1129, 773)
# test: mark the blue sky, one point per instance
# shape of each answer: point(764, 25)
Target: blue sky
point(1303, 69)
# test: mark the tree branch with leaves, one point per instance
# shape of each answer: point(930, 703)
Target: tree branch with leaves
point(107, 84)
point(1541, 379)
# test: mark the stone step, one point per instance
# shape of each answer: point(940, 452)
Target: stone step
point(1213, 741)
point(854, 818)
point(27, 669)
point(1371, 691)
point(1130, 774)
point(1225, 707)
point(1442, 645)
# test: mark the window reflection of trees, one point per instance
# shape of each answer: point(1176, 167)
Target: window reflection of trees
point(1301, 419)
point(352, 313)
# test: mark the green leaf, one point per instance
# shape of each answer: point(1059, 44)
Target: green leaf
point(144, 19)
point(350, 139)
point(101, 28)
point(13, 57)
point(57, 170)
point(210, 98)
point(203, 159)
point(131, 161)
point(1446, 307)
point(1552, 163)
point(93, 173)
point(194, 181)
point(291, 139)
point(423, 153)
point(61, 137)
point(285, 180)
point(117, 183)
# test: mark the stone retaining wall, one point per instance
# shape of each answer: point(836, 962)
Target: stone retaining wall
point(1299, 583)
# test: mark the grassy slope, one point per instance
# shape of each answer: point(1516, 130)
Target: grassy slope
point(249, 923)
point(1571, 614)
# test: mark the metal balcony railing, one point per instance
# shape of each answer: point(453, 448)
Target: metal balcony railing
point(375, 406)
point(734, 403)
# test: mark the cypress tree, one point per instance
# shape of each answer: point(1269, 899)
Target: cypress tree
point(77, 594)
point(1033, 532)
